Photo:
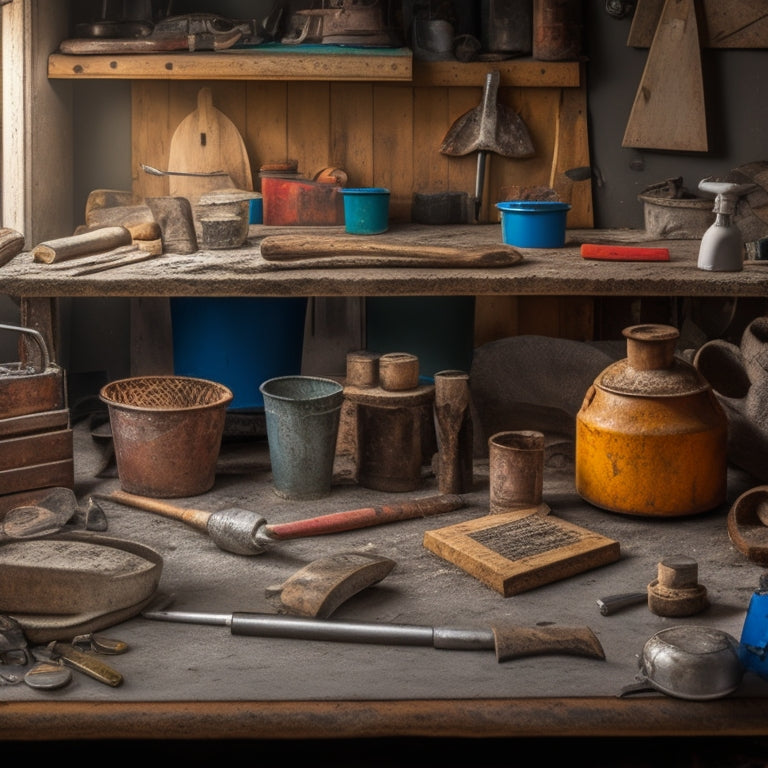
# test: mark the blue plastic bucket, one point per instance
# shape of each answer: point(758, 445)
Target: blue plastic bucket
point(533, 223)
point(366, 210)
point(238, 341)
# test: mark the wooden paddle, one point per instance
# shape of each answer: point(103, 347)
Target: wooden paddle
point(668, 111)
point(205, 141)
point(352, 251)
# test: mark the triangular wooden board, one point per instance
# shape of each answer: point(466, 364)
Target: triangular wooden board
point(669, 109)
point(645, 19)
point(206, 140)
point(520, 550)
point(726, 23)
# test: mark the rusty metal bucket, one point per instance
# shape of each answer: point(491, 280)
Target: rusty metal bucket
point(166, 432)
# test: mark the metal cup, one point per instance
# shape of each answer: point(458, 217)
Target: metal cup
point(302, 415)
point(516, 470)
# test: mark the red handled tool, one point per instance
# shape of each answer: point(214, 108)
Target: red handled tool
point(623, 253)
point(245, 532)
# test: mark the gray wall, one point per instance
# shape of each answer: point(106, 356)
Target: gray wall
point(737, 109)
point(736, 104)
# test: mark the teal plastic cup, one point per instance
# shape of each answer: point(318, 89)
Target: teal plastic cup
point(366, 210)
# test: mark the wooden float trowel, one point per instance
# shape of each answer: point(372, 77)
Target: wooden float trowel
point(206, 141)
point(489, 127)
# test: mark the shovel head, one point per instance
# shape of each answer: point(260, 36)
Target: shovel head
point(489, 127)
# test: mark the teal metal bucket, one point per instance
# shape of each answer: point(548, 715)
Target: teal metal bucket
point(302, 415)
point(366, 210)
point(439, 330)
point(533, 223)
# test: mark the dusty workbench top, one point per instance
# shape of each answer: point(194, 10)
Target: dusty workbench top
point(182, 679)
point(244, 272)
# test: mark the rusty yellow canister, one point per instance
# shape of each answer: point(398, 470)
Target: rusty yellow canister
point(651, 436)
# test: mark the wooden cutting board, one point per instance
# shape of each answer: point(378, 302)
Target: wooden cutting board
point(205, 141)
point(669, 111)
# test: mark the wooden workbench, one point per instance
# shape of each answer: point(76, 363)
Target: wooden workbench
point(560, 272)
point(185, 682)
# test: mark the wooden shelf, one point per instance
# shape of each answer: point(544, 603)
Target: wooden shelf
point(298, 63)
point(521, 73)
point(287, 63)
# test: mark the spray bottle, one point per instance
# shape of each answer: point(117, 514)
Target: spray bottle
point(722, 246)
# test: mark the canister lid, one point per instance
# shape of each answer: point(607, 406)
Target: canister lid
point(651, 368)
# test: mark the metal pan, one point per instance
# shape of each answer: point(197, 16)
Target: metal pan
point(689, 662)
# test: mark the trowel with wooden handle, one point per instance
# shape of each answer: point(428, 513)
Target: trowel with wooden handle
point(489, 127)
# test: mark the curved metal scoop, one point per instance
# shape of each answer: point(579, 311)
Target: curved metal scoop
point(46, 515)
point(29, 522)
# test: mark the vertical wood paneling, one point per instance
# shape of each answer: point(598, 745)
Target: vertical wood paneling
point(151, 130)
point(266, 133)
point(309, 130)
point(571, 152)
point(430, 116)
point(381, 134)
point(495, 318)
point(352, 132)
point(393, 150)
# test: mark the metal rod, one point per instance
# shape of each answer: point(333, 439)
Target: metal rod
point(299, 627)
point(613, 603)
point(158, 172)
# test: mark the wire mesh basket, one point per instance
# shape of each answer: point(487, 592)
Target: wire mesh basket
point(165, 392)
point(166, 432)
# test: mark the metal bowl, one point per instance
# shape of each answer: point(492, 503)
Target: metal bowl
point(692, 662)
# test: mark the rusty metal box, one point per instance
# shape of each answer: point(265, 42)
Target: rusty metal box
point(298, 201)
point(36, 446)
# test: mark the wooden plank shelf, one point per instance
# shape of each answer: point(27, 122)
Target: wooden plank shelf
point(293, 63)
point(518, 73)
point(287, 63)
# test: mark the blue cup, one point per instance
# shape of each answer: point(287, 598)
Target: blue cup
point(533, 223)
point(366, 210)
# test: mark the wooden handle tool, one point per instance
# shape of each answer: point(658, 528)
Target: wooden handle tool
point(365, 251)
point(509, 642)
point(245, 532)
point(93, 241)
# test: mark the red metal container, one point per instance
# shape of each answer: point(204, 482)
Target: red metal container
point(301, 202)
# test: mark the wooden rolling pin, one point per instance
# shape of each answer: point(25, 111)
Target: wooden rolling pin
point(378, 253)
point(93, 241)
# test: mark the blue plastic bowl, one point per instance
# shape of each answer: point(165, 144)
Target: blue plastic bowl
point(533, 223)
point(366, 210)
